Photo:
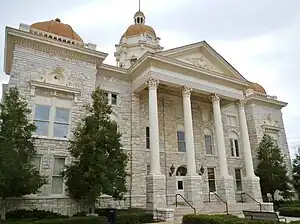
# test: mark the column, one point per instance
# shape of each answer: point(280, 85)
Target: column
point(251, 183)
point(155, 181)
point(225, 182)
point(219, 135)
point(192, 182)
point(154, 131)
point(245, 140)
point(188, 132)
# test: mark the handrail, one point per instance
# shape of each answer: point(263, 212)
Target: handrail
point(225, 202)
point(185, 201)
point(260, 206)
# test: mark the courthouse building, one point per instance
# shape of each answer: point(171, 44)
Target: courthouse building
point(190, 123)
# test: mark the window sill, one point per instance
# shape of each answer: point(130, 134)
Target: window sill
point(235, 157)
point(211, 155)
point(55, 196)
point(51, 138)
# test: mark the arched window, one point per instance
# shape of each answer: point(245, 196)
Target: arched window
point(208, 141)
point(234, 144)
point(181, 171)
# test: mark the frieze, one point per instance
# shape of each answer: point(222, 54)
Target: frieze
point(51, 50)
point(201, 61)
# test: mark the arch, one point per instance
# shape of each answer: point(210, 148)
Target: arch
point(207, 131)
point(233, 135)
point(180, 127)
point(181, 171)
point(56, 76)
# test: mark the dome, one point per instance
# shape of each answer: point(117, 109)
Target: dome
point(139, 13)
point(58, 28)
point(137, 29)
point(257, 87)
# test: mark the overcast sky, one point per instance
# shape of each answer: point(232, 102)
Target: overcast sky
point(260, 38)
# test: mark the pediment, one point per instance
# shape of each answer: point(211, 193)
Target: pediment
point(203, 56)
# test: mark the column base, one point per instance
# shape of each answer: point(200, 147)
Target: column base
point(251, 186)
point(193, 190)
point(155, 191)
point(226, 189)
point(171, 190)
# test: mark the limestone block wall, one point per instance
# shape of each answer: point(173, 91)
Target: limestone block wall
point(32, 64)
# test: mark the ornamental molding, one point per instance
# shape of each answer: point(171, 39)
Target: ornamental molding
point(153, 83)
point(186, 91)
point(241, 103)
point(201, 61)
point(214, 98)
point(270, 123)
point(53, 49)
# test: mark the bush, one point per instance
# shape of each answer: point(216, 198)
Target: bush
point(221, 219)
point(127, 219)
point(287, 203)
point(73, 220)
point(23, 214)
point(290, 211)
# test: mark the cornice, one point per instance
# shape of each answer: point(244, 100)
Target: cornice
point(265, 99)
point(14, 36)
point(113, 68)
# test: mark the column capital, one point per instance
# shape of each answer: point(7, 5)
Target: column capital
point(214, 97)
point(241, 103)
point(152, 83)
point(186, 91)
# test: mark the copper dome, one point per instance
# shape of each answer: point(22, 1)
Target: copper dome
point(58, 28)
point(257, 87)
point(137, 29)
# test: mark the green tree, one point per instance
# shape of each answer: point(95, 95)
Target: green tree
point(271, 169)
point(18, 176)
point(99, 165)
point(296, 173)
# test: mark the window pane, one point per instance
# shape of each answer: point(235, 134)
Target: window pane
point(42, 112)
point(41, 128)
point(232, 147)
point(148, 169)
point(238, 174)
point(180, 136)
point(236, 144)
point(62, 115)
point(147, 132)
point(212, 185)
point(114, 99)
point(210, 173)
point(61, 130)
point(208, 144)
point(180, 185)
point(57, 185)
point(181, 146)
point(239, 186)
point(59, 164)
point(36, 161)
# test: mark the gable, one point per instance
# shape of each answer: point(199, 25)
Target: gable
point(204, 56)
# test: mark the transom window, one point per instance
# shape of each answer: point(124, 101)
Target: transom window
point(52, 119)
point(211, 179)
point(181, 141)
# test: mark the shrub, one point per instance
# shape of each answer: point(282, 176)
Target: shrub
point(127, 219)
point(73, 220)
point(23, 214)
point(290, 211)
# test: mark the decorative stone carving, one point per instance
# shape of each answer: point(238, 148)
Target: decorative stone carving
point(201, 61)
point(186, 91)
point(214, 97)
point(241, 103)
point(152, 83)
point(56, 76)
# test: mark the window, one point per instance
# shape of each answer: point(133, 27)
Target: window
point(208, 141)
point(42, 119)
point(181, 141)
point(234, 147)
point(148, 169)
point(238, 179)
point(147, 138)
point(61, 123)
point(36, 162)
point(232, 121)
point(211, 179)
point(180, 185)
point(57, 180)
point(114, 99)
point(53, 119)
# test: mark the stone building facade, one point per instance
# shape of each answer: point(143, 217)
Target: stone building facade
point(190, 122)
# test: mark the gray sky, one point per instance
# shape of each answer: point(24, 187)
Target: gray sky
point(260, 38)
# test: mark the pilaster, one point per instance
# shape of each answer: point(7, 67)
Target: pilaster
point(193, 190)
point(155, 192)
point(226, 189)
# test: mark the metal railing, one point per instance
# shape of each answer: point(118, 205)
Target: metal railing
point(185, 201)
point(244, 193)
point(225, 202)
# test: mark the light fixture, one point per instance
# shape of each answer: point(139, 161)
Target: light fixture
point(201, 171)
point(172, 169)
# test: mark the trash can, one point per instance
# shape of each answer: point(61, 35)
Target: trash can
point(111, 214)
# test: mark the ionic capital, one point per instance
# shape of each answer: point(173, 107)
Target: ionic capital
point(153, 83)
point(186, 91)
point(241, 103)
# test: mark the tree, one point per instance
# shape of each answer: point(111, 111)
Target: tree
point(99, 159)
point(271, 169)
point(18, 176)
point(296, 172)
